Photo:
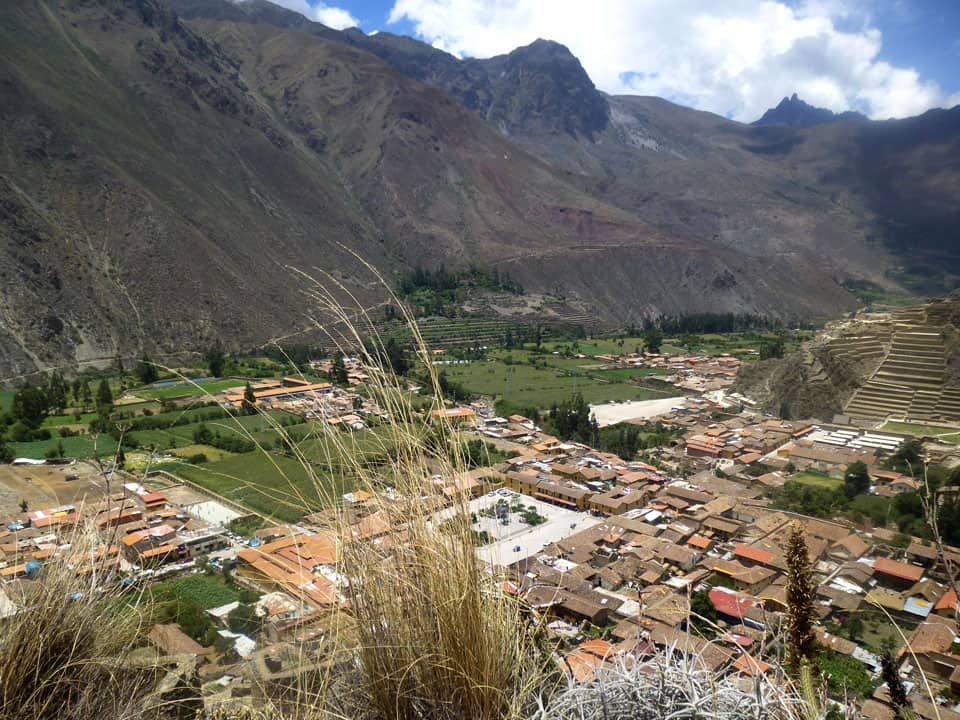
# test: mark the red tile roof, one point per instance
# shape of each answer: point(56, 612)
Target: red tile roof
point(753, 553)
point(947, 602)
point(750, 665)
point(699, 541)
point(898, 569)
point(730, 604)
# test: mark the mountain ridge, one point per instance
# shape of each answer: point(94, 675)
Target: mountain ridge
point(188, 154)
point(795, 113)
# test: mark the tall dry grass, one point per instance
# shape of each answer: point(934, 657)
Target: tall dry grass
point(63, 653)
point(435, 636)
point(427, 632)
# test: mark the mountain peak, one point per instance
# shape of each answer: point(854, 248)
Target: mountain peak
point(794, 112)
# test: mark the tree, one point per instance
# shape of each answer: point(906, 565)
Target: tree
point(244, 619)
point(104, 396)
point(86, 395)
point(30, 405)
point(653, 338)
point(801, 643)
point(396, 356)
point(215, 360)
point(856, 480)
point(572, 420)
point(908, 458)
point(6, 454)
point(338, 370)
point(24, 505)
point(146, 371)
point(772, 348)
point(854, 627)
point(121, 459)
point(56, 391)
point(202, 435)
point(703, 614)
point(249, 403)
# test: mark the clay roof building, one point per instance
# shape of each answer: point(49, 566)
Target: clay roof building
point(896, 573)
point(171, 640)
point(852, 547)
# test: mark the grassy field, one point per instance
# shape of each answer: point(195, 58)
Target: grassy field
point(369, 445)
point(177, 436)
point(628, 373)
point(60, 420)
point(80, 446)
point(6, 400)
point(816, 479)
point(213, 454)
point(919, 429)
point(270, 484)
point(190, 389)
point(526, 385)
point(208, 591)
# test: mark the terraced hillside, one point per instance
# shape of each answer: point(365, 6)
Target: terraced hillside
point(877, 366)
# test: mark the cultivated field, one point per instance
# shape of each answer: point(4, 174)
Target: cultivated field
point(529, 386)
point(268, 483)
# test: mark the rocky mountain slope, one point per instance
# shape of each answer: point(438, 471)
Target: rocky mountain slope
point(167, 168)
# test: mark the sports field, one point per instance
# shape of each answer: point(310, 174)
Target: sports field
point(191, 389)
point(815, 479)
point(944, 433)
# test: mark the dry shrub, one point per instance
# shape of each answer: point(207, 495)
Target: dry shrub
point(62, 654)
point(671, 684)
point(435, 637)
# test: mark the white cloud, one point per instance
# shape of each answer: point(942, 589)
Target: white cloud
point(335, 17)
point(736, 57)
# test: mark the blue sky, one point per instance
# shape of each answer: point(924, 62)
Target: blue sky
point(886, 58)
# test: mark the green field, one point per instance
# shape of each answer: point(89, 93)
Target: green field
point(919, 429)
point(259, 426)
point(268, 483)
point(60, 420)
point(213, 454)
point(529, 386)
point(816, 479)
point(190, 389)
point(208, 591)
point(6, 400)
point(80, 446)
point(610, 346)
point(628, 373)
point(368, 445)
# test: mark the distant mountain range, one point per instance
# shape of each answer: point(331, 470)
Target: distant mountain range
point(166, 169)
point(795, 113)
